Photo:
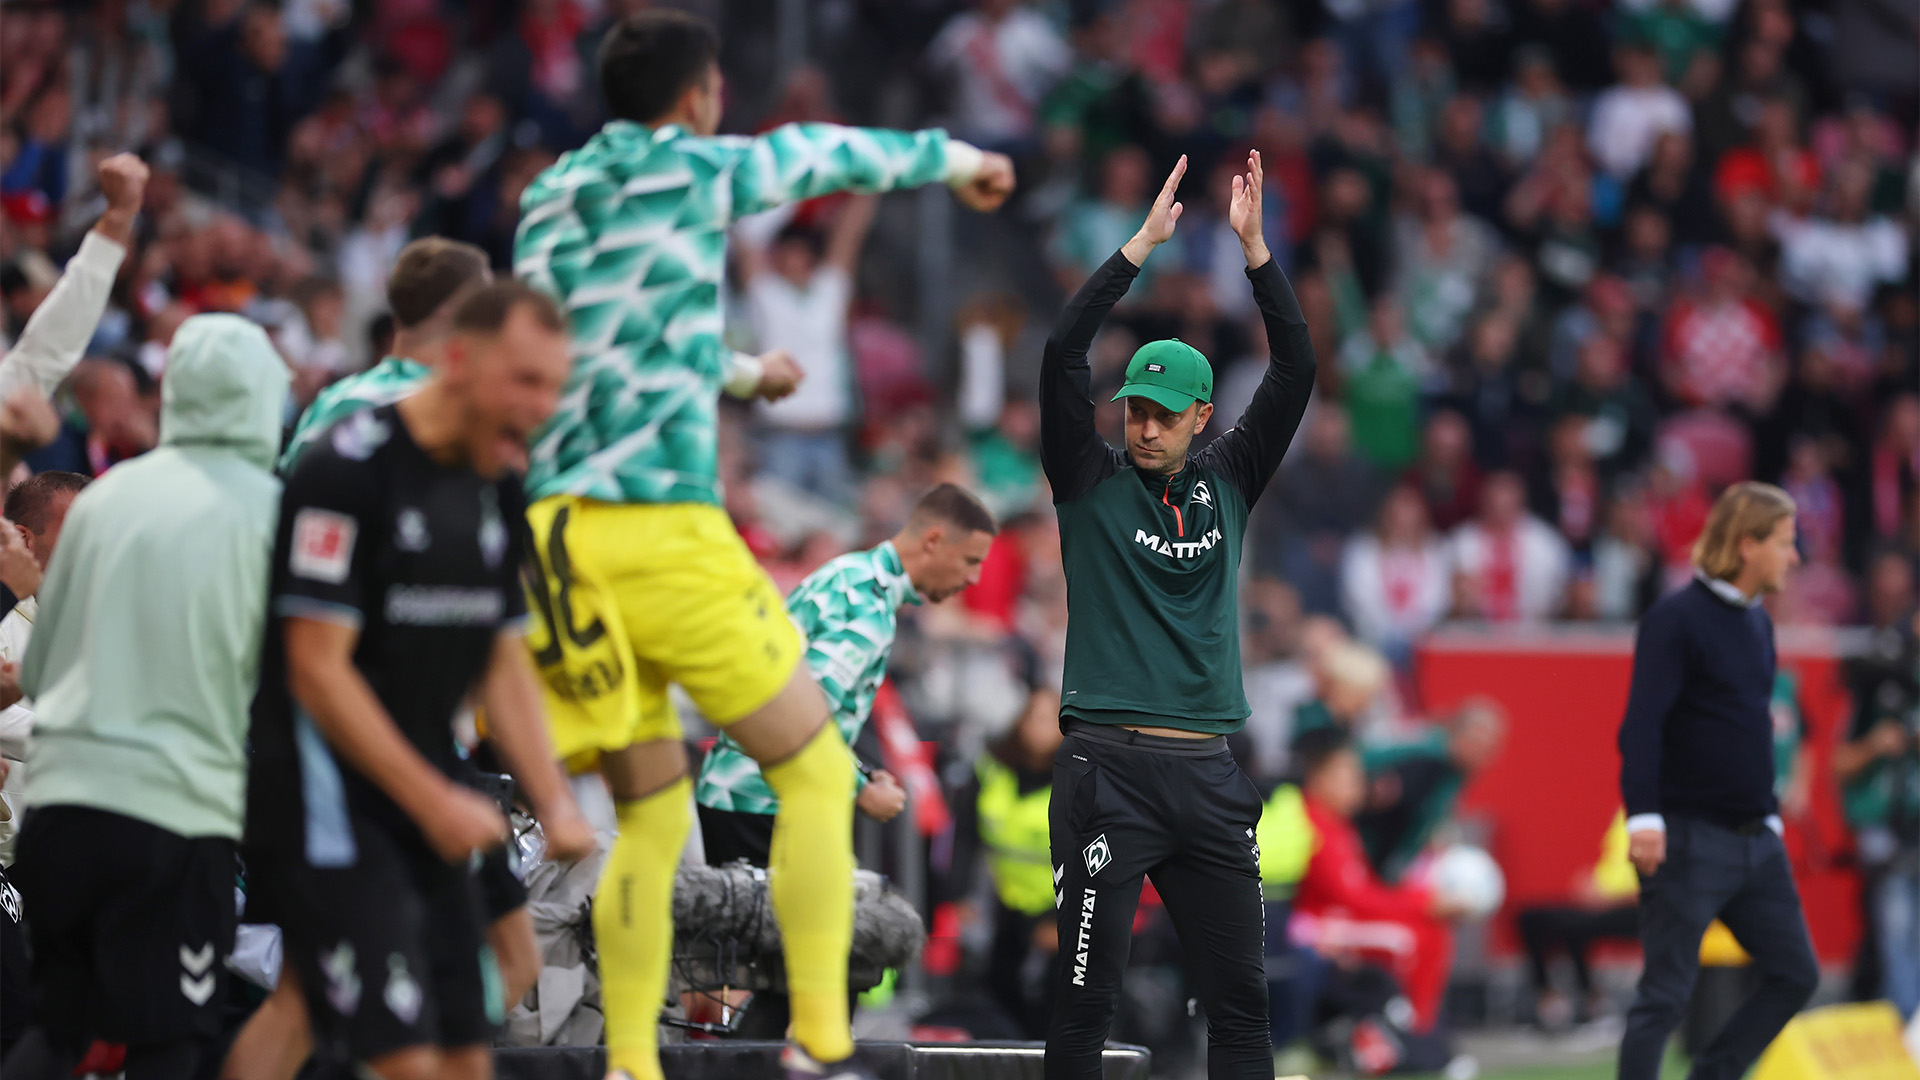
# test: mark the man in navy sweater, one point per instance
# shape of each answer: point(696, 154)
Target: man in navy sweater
point(1696, 775)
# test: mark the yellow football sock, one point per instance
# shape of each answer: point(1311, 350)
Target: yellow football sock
point(633, 925)
point(810, 874)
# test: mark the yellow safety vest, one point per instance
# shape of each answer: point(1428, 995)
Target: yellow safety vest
point(1014, 829)
point(1286, 840)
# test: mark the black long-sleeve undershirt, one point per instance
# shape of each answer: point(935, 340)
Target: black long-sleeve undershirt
point(1076, 458)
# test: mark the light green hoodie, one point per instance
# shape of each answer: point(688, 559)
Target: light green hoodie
point(147, 648)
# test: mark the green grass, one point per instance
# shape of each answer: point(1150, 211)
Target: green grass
point(1674, 1069)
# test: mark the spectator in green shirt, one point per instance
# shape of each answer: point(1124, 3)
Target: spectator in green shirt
point(1384, 369)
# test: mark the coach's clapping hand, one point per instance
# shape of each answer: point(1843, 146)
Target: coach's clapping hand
point(1646, 850)
point(1158, 228)
point(463, 821)
point(1243, 211)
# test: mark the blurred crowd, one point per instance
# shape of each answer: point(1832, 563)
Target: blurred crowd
point(1570, 267)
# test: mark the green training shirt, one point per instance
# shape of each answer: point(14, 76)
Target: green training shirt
point(848, 610)
point(1153, 562)
point(384, 383)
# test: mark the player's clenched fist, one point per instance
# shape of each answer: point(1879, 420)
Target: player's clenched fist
point(463, 822)
point(990, 186)
point(123, 180)
point(569, 837)
point(780, 375)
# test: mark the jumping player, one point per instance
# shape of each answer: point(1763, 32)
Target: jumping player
point(646, 583)
point(396, 595)
point(1150, 539)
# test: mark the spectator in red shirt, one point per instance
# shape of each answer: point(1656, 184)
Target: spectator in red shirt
point(1722, 345)
point(1774, 164)
point(1343, 911)
point(1509, 565)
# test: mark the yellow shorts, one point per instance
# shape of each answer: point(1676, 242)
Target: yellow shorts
point(644, 595)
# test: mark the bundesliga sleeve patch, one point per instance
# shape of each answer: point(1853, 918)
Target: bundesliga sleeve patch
point(322, 545)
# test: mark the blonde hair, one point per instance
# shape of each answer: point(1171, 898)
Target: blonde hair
point(1356, 666)
point(1746, 510)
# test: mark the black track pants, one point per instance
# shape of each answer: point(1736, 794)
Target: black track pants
point(1127, 806)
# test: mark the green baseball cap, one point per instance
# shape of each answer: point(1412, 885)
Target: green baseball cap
point(1170, 372)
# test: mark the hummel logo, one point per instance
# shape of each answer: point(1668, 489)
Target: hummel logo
point(1098, 855)
point(197, 962)
point(196, 981)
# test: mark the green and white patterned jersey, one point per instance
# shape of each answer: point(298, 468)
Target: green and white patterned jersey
point(630, 233)
point(848, 610)
point(384, 383)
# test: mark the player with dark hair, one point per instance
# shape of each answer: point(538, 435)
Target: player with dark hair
point(38, 504)
point(395, 597)
point(645, 581)
point(430, 274)
point(1150, 538)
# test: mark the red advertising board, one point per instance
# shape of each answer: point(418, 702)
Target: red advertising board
point(1550, 794)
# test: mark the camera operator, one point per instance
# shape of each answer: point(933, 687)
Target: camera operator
point(1878, 769)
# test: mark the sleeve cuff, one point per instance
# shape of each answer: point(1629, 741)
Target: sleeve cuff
point(743, 375)
point(1646, 823)
point(306, 607)
point(963, 162)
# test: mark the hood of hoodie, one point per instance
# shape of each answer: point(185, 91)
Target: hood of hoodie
point(225, 386)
